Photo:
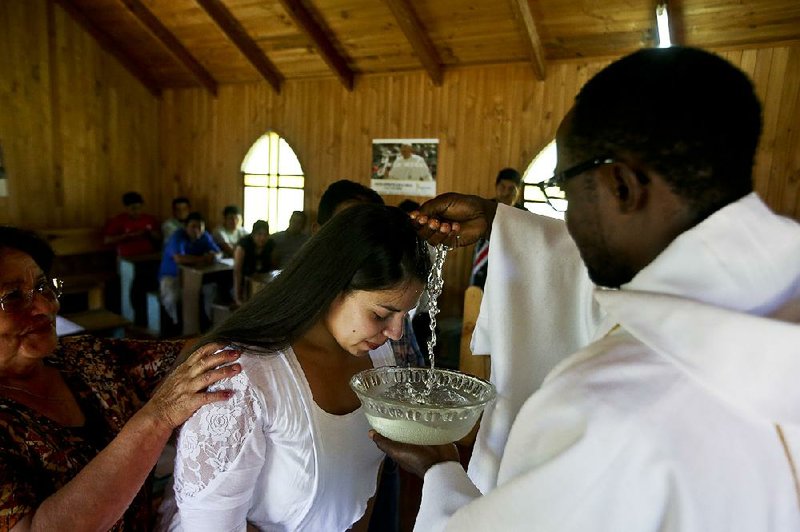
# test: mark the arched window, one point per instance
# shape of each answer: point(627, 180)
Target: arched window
point(273, 182)
point(541, 169)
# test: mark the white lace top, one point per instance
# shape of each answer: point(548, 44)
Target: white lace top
point(271, 457)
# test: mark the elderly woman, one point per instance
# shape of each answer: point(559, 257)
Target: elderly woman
point(78, 437)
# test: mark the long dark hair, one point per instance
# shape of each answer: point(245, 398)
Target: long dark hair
point(367, 247)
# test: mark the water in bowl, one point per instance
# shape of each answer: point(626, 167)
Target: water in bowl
point(422, 393)
point(420, 433)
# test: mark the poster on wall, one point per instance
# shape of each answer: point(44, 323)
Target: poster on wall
point(3, 178)
point(405, 167)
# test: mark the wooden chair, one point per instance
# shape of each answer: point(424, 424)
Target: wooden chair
point(469, 363)
point(82, 261)
point(86, 265)
point(479, 366)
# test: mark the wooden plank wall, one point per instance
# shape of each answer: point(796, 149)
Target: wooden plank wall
point(76, 129)
point(776, 75)
point(485, 118)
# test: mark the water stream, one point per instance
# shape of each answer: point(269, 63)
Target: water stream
point(424, 393)
point(434, 290)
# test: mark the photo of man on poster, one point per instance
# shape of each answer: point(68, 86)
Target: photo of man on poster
point(404, 166)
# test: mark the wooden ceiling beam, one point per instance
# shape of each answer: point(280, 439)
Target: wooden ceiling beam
point(171, 43)
point(522, 11)
point(305, 21)
point(242, 40)
point(411, 26)
point(110, 46)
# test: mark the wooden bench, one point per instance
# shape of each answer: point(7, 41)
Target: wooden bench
point(83, 262)
point(86, 265)
point(100, 321)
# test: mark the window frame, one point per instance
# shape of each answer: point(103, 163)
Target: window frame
point(276, 209)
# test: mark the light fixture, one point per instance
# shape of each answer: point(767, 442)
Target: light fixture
point(662, 19)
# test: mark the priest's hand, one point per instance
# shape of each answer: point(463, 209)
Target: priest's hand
point(455, 219)
point(416, 459)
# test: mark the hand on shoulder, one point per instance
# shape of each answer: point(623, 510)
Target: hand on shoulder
point(185, 389)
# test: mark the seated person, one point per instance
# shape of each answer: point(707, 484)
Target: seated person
point(508, 191)
point(190, 246)
point(341, 195)
point(231, 231)
point(288, 242)
point(291, 451)
point(133, 232)
point(181, 207)
point(82, 422)
point(253, 255)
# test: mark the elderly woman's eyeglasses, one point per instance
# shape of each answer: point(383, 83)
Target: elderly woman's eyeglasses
point(553, 188)
point(17, 300)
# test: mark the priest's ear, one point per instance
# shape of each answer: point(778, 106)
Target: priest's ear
point(628, 185)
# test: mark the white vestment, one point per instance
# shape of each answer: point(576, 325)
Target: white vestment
point(537, 309)
point(412, 169)
point(670, 422)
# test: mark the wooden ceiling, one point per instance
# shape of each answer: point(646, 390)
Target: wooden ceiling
point(204, 43)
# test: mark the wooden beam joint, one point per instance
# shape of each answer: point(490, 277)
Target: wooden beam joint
point(107, 43)
point(243, 41)
point(412, 27)
point(171, 43)
point(322, 42)
point(523, 12)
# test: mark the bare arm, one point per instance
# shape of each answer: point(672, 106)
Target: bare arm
point(195, 260)
point(99, 495)
point(226, 248)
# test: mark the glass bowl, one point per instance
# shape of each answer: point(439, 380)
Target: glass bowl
point(398, 406)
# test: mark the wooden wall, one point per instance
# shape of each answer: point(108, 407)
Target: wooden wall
point(485, 118)
point(776, 75)
point(76, 129)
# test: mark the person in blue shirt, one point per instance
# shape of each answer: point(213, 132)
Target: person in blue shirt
point(190, 246)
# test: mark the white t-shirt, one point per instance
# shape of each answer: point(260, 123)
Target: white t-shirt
point(229, 237)
point(271, 457)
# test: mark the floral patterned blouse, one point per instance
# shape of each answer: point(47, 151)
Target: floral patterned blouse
point(111, 380)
